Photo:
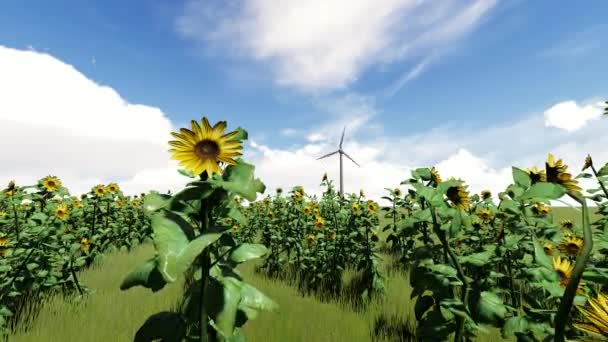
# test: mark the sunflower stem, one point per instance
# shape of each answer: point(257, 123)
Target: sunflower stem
point(205, 266)
point(599, 181)
point(464, 297)
point(563, 313)
point(75, 278)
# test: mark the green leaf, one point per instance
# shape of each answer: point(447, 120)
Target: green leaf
point(186, 173)
point(146, 275)
point(254, 299)
point(155, 201)
point(194, 191)
point(539, 254)
point(603, 171)
point(477, 259)
point(422, 305)
point(175, 252)
point(164, 326)
point(544, 190)
point(225, 318)
point(240, 180)
point(248, 251)
point(515, 325)
point(242, 134)
point(521, 178)
point(491, 307)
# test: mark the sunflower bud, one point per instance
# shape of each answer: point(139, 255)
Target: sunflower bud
point(588, 163)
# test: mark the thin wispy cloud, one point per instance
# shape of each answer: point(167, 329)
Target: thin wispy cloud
point(576, 44)
point(326, 45)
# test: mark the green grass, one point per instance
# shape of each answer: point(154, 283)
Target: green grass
point(109, 314)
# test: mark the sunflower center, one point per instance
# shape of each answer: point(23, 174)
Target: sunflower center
point(207, 149)
point(572, 248)
point(51, 184)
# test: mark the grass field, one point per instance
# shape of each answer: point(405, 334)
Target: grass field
point(109, 314)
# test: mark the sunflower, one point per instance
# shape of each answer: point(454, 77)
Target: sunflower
point(357, 209)
point(112, 188)
point(361, 193)
point(330, 235)
point(62, 212)
point(279, 191)
point(435, 176)
point(571, 245)
point(57, 199)
point(563, 268)
point(319, 222)
point(566, 224)
point(397, 192)
point(324, 177)
point(135, 203)
point(10, 189)
point(459, 197)
point(310, 239)
point(484, 214)
point(267, 200)
point(84, 243)
point(316, 211)
point(307, 210)
point(541, 209)
point(486, 195)
point(597, 316)
point(119, 202)
point(76, 203)
point(297, 197)
point(204, 147)
point(3, 241)
point(99, 190)
point(548, 248)
point(235, 228)
point(270, 214)
point(536, 175)
point(50, 183)
point(556, 173)
point(588, 163)
point(372, 206)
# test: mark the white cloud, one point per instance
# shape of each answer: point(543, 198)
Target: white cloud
point(570, 116)
point(319, 45)
point(54, 120)
point(481, 156)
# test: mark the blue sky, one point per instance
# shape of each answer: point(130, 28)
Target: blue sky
point(441, 66)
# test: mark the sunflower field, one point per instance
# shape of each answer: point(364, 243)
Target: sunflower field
point(474, 263)
point(47, 236)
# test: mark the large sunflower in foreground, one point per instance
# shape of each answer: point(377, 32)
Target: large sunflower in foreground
point(50, 183)
point(597, 316)
point(556, 173)
point(203, 147)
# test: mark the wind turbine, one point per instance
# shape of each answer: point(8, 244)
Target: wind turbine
point(341, 152)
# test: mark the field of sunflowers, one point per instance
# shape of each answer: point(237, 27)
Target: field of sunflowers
point(47, 236)
point(474, 263)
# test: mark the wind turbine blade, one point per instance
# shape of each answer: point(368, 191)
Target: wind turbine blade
point(328, 155)
point(342, 139)
point(351, 159)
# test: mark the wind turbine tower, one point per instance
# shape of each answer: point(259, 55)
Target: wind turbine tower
point(341, 152)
